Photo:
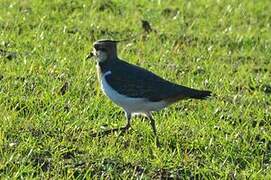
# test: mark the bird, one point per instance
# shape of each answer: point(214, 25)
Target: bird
point(135, 89)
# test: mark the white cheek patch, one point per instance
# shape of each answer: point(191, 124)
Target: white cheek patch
point(101, 55)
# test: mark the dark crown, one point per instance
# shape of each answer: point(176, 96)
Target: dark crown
point(105, 44)
point(108, 46)
point(107, 41)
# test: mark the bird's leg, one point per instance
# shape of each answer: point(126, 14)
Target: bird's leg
point(128, 117)
point(122, 129)
point(128, 125)
point(153, 128)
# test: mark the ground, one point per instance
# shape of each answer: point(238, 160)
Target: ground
point(50, 101)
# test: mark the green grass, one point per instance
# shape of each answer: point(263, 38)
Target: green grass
point(223, 46)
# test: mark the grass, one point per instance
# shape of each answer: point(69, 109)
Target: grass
point(50, 100)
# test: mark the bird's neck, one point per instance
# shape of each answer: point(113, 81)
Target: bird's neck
point(105, 66)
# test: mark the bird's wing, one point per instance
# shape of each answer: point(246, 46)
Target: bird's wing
point(137, 82)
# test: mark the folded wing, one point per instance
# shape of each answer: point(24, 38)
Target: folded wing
point(137, 82)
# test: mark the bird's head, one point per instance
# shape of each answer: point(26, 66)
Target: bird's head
point(104, 50)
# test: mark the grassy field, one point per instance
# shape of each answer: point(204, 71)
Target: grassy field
point(50, 101)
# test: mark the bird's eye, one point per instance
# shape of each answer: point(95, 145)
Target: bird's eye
point(102, 49)
point(97, 47)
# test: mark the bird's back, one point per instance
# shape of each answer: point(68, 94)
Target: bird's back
point(135, 82)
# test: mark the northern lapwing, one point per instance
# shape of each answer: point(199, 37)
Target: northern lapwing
point(136, 90)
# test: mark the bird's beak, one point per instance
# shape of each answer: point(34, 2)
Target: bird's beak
point(90, 55)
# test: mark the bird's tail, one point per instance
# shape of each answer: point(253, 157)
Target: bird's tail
point(187, 93)
point(199, 94)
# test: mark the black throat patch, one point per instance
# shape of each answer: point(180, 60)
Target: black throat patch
point(104, 67)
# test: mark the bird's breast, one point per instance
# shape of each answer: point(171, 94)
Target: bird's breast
point(110, 92)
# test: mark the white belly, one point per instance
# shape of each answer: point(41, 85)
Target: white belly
point(130, 105)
